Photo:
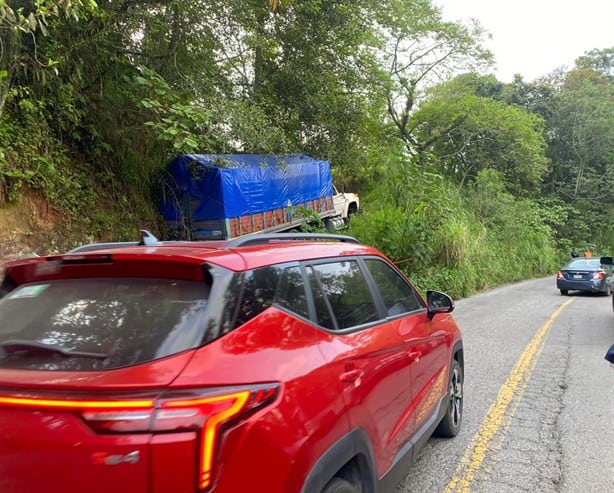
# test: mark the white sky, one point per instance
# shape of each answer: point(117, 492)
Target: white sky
point(534, 37)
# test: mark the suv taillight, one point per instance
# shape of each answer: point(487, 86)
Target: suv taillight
point(205, 411)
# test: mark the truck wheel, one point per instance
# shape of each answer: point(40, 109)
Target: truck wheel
point(338, 485)
point(352, 209)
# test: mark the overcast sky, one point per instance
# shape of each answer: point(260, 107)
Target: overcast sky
point(534, 37)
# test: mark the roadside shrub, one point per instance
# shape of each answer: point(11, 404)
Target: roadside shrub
point(460, 244)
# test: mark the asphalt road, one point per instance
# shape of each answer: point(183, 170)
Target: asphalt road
point(538, 401)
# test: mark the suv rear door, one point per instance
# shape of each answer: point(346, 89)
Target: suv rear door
point(366, 355)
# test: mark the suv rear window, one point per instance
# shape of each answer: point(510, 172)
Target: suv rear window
point(106, 323)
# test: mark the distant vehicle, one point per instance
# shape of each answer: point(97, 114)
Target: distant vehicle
point(279, 363)
point(593, 275)
point(223, 196)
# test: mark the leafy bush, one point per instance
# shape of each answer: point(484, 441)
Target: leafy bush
point(458, 244)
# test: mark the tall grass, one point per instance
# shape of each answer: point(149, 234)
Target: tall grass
point(460, 242)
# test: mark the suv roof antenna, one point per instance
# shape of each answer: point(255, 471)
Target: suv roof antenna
point(148, 239)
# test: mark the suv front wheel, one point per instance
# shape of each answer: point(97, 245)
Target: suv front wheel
point(451, 422)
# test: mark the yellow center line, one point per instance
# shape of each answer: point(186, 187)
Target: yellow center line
point(514, 385)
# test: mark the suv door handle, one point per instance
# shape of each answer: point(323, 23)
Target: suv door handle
point(350, 376)
point(415, 355)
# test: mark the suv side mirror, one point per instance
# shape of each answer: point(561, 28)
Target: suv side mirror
point(438, 303)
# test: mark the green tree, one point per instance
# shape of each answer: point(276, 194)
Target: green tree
point(316, 79)
point(22, 23)
point(600, 60)
point(464, 133)
point(582, 137)
point(419, 49)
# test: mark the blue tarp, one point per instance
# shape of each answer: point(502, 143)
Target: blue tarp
point(232, 185)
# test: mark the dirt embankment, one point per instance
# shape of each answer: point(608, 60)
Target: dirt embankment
point(30, 226)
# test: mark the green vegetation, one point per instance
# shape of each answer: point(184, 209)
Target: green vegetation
point(466, 182)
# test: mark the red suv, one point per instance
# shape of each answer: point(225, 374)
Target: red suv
point(264, 364)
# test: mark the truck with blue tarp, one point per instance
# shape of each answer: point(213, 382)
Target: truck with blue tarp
point(222, 196)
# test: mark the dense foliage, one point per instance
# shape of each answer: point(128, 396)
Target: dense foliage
point(466, 182)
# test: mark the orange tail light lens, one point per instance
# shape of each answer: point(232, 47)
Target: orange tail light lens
point(206, 414)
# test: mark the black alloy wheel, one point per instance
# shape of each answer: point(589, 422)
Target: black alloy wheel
point(338, 485)
point(451, 423)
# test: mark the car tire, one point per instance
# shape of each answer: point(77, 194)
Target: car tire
point(450, 425)
point(564, 292)
point(338, 485)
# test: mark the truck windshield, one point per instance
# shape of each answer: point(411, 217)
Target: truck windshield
point(122, 321)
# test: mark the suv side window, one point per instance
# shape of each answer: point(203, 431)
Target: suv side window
point(399, 297)
point(273, 284)
point(290, 292)
point(341, 288)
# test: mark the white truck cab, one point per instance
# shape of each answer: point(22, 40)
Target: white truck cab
point(345, 204)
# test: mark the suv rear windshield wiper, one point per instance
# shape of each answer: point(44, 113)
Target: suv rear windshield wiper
point(13, 346)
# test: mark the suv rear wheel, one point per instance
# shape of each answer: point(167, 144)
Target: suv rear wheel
point(338, 485)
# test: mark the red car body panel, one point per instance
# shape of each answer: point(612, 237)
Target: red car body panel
point(428, 343)
point(56, 452)
point(308, 414)
point(371, 370)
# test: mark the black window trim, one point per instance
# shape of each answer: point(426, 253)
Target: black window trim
point(376, 295)
point(311, 304)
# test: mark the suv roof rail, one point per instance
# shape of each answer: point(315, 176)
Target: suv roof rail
point(260, 238)
point(146, 239)
point(101, 246)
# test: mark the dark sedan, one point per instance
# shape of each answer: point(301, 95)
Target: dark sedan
point(593, 275)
